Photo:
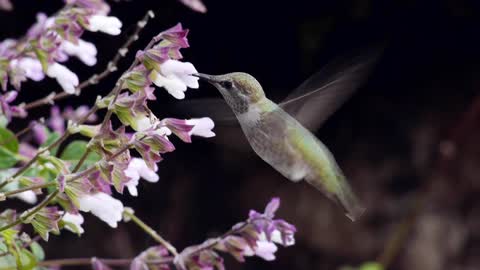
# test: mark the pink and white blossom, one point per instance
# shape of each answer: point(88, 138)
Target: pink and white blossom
point(31, 67)
point(137, 168)
point(64, 76)
point(175, 77)
point(201, 127)
point(104, 206)
point(195, 5)
point(264, 249)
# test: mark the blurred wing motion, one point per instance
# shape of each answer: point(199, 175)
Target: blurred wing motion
point(312, 103)
point(325, 91)
point(215, 108)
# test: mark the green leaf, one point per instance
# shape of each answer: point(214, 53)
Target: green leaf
point(3, 121)
point(371, 266)
point(52, 137)
point(8, 263)
point(8, 149)
point(37, 250)
point(9, 235)
point(74, 152)
point(28, 261)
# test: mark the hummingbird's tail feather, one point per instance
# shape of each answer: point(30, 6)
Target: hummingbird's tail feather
point(342, 195)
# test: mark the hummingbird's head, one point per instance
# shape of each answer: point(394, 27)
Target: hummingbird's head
point(238, 89)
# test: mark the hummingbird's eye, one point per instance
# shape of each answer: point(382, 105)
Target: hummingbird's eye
point(226, 84)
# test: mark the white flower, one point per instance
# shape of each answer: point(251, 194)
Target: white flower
point(277, 238)
point(201, 127)
point(138, 168)
point(84, 50)
point(65, 77)
point(176, 76)
point(264, 249)
point(32, 68)
point(107, 24)
point(74, 220)
point(27, 196)
point(164, 131)
point(104, 206)
point(195, 5)
point(143, 123)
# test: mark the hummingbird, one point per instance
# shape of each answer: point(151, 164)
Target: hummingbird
point(282, 140)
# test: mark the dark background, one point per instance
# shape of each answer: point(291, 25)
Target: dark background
point(406, 140)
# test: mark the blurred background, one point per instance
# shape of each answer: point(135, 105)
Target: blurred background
point(407, 140)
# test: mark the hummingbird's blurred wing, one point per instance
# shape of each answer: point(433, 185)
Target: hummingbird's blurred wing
point(325, 91)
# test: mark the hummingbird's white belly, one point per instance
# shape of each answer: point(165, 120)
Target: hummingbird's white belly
point(267, 134)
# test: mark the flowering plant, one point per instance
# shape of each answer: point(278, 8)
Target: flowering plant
point(86, 173)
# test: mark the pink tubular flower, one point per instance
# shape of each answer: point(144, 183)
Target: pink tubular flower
point(184, 129)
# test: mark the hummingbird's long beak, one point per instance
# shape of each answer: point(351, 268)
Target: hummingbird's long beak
point(209, 78)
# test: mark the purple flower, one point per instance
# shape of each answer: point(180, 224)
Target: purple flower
point(9, 111)
point(77, 114)
point(56, 122)
point(154, 253)
point(27, 150)
point(175, 35)
point(150, 144)
point(46, 221)
point(6, 5)
point(257, 236)
point(39, 133)
point(179, 127)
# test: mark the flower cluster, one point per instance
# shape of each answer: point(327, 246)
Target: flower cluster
point(52, 40)
point(114, 166)
point(77, 176)
point(258, 236)
point(161, 65)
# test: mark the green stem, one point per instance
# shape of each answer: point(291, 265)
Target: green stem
point(110, 262)
point(25, 215)
point(20, 190)
point(151, 232)
point(82, 160)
